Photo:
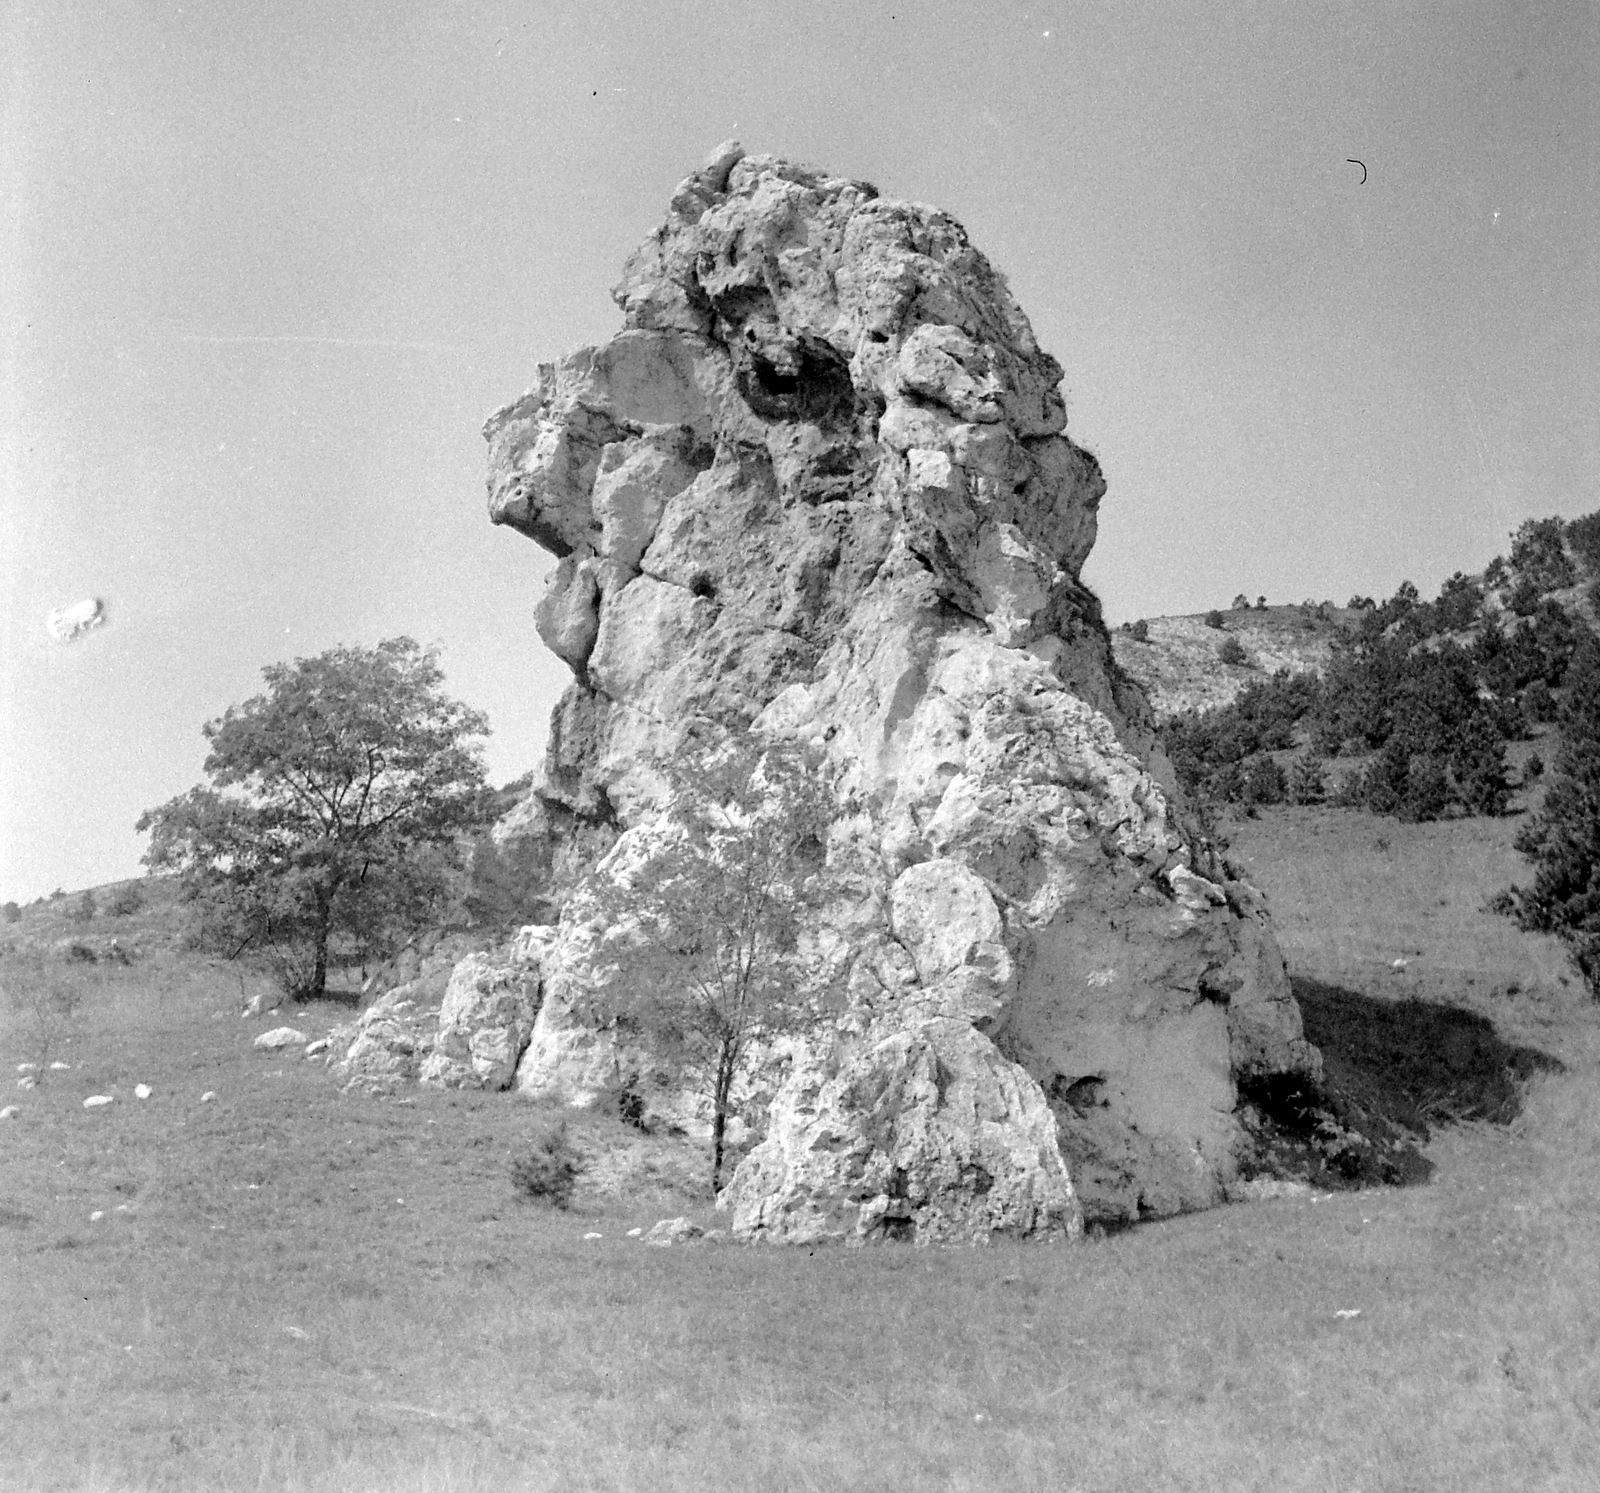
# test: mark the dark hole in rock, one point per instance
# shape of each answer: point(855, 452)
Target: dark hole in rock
point(1081, 1094)
point(700, 584)
point(806, 379)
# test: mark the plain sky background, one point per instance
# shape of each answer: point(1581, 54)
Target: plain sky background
point(267, 265)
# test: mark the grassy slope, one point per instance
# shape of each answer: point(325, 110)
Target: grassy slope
point(270, 1314)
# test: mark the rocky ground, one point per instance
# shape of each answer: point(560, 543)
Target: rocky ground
point(1177, 664)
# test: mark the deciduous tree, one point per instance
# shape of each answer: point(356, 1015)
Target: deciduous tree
point(337, 804)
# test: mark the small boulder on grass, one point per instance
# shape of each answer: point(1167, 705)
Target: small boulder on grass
point(96, 1101)
point(280, 1037)
point(673, 1231)
point(10, 1111)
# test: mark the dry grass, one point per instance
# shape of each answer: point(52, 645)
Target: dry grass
point(270, 1315)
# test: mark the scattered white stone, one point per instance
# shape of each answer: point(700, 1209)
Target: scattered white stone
point(26, 1067)
point(123, 1208)
point(97, 1215)
point(94, 1101)
point(313, 1049)
point(1400, 964)
point(208, 1096)
point(1346, 1315)
point(299, 1332)
point(10, 1110)
point(280, 1036)
point(68, 624)
point(30, 1082)
point(1267, 1189)
point(634, 1233)
point(142, 1091)
point(594, 1236)
point(673, 1231)
point(59, 1067)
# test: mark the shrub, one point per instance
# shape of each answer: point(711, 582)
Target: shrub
point(1232, 652)
point(1308, 780)
point(1213, 618)
point(1460, 600)
point(547, 1167)
point(1539, 554)
point(1140, 631)
point(1264, 782)
point(1427, 790)
point(1583, 535)
point(1241, 603)
point(126, 900)
point(82, 909)
point(1533, 768)
point(1525, 596)
point(1478, 764)
point(10, 913)
point(1261, 603)
point(1538, 704)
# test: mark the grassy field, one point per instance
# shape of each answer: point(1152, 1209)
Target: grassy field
point(290, 1289)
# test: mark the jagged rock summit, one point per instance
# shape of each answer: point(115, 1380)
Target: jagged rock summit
point(818, 490)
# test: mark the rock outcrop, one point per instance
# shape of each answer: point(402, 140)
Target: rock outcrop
point(818, 491)
point(444, 1016)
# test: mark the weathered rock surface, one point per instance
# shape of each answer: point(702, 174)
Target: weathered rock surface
point(818, 491)
point(280, 1037)
point(386, 1045)
point(674, 1231)
point(486, 1018)
point(455, 1020)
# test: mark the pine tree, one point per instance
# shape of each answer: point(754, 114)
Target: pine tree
point(1563, 838)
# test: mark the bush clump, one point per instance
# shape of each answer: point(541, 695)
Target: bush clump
point(1308, 780)
point(126, 900)
point(547, 1167)
point(1232, 652)
point(1213, 618)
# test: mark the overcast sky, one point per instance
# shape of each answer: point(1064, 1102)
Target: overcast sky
point(275, 262)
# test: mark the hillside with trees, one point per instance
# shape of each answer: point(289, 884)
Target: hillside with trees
point(1414, 708)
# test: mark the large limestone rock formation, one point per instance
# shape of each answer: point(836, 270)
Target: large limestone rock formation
point(818, 490)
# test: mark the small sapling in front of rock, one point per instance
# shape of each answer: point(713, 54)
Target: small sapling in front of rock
point(703, 927)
